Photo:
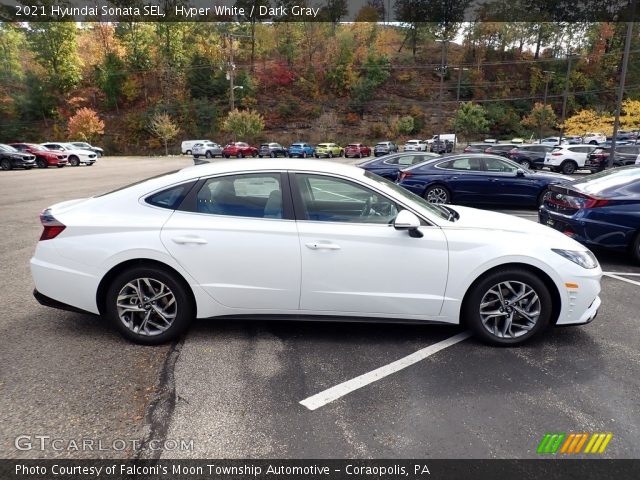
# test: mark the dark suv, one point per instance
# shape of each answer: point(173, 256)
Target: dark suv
point(272, 150)
point(599, 158)
point(530, 156)
point(501, 149)
point(440, 146)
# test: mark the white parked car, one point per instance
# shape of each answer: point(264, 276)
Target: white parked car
point(594, 138)
point(76, 156)
point(294, 239)
point(206, 149)
point(568, 158)
point(187, 146)
point(415, 146)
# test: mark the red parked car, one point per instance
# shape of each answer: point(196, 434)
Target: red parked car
point(239, 150)
point(44, 157)
point(356, 150)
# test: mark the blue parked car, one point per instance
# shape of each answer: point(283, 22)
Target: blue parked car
point(478, 179)
point(389, 166)
point(600, 210)
point(301, 149)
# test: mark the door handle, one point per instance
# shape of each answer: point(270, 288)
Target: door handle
point(322, 246)
point(493, 179)
point(187, 240)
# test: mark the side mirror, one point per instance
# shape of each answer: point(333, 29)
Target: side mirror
point(520, 172)
point(406, 220)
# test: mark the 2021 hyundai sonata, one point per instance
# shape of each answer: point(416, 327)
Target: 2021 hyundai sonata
point(280, 238)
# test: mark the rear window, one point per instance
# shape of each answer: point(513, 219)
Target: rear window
point(170, 198)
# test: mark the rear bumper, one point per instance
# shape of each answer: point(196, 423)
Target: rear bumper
point(50, 302)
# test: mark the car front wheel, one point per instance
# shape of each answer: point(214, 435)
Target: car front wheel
point(5, 164)
point(148, 305)
point(635, 249)
point(508, 307)
point(41, 163)
point(437, 194)
point(526, 164)
point(74, 161)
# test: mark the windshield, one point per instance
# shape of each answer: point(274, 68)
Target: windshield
point(7, 148)
point(82, 144)
point(439, 211)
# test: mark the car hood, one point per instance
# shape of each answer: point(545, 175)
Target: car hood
point(501, 223)
point(552, 177)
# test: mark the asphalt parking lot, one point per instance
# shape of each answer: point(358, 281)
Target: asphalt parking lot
point(235, 387)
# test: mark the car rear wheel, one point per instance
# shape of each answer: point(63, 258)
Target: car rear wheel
point(188, 152)
point(5, 164)
point(208, 154)
point(526, 164)
point(541, 196)
point(508, 307)
point(568, 167)
point(148, 305)
point(41, 163)
point(240, 155)
point(437, 194)
point(226, 155)
point(74, 161)
point(272, 155)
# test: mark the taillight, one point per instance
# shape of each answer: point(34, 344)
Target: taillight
point(556, 154)
point(568, 201)
point(52, 227)
point(467, 149)
point(487, 150)
point(404, 175)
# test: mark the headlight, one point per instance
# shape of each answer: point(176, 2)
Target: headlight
point(585, 259)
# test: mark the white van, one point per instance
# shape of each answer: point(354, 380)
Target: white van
point(449, 137)
point(187, 146)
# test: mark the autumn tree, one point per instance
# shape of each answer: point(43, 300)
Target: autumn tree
point(470, 120)
point(162, 126)
point(85, 125)
point(630, 118)
point(588, 120)
point(243, 123)
point(541, 119)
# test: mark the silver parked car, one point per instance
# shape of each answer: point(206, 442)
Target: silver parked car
point(206, 149)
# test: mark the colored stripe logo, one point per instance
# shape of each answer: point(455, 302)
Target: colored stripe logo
point(573, 443)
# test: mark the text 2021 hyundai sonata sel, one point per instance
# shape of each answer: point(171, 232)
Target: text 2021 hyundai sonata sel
point(277, 237)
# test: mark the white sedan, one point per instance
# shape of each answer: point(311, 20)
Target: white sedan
point(75, 155)
point(280, 237)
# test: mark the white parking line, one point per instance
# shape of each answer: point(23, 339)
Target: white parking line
point(342, 389)
point(623, 273)
point(613, 275)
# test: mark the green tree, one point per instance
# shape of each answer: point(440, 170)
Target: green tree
point(243, 123)
point(111, 77)
point(55, 48)
point(470, 120)
point(11, 42)
point(541, 119)
point(253, 6)
point(162, 126)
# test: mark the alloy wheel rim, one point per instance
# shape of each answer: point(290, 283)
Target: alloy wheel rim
point(510, 309)
point(437, 195)
point(146, 306)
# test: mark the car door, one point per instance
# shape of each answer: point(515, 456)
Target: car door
point(509, 187)
point(237, 238)
point(465, 179)
point(353, 260)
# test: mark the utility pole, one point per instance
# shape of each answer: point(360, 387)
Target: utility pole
point(232, 69)
point(565, 95)
point(441, 96)
point(455, 128)
point(547, 73)
point(623, 77)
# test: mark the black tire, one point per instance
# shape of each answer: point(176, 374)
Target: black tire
point(541, 195)
point(240, 155)
point(28, 168)
point(483, 287)
point(5, 164)
point(99, 154)
point(196, 156)
point(208, 154)
point(41, 162)
point(635, 248)
point(593, 142)
point(60, 165)
point(91, 164)
point(188, 152)
point(184, 310)
point(226, 155)
point(74, 161)
point(359, 154)
point(440, 191)
point(272, 155)
point(568, 167)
